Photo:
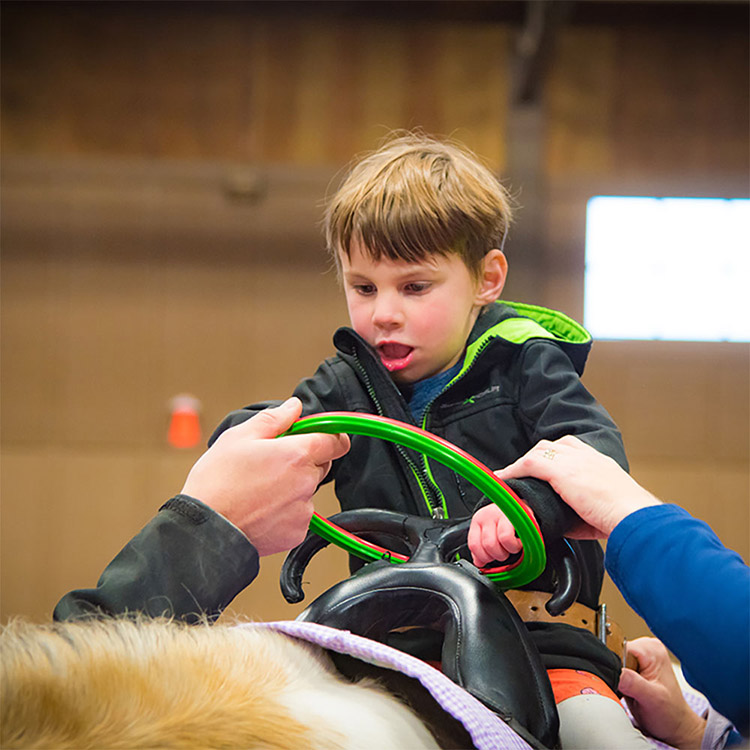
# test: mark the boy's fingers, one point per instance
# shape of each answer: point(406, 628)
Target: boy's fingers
point(474, 540)
point(494, 548)
point(507, 539)
point(488, 540)
point(481, 559)
point(478, 558)
point(509, 543)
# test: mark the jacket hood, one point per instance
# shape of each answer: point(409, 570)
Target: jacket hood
point(518, 323)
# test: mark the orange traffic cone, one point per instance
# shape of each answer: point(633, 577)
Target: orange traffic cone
point(184, 424)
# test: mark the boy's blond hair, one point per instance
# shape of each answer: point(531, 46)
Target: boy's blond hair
point(417, 196)
point(124, 683)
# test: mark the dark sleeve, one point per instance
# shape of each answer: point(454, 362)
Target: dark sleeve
point(319, 393)
point(552, 403)
point(187, 561)
point(694, 595)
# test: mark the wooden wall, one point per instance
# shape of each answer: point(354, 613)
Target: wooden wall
point(163, 170)
point(244, 81)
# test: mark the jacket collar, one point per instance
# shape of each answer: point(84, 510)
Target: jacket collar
point(512, 323)
point(364, 360)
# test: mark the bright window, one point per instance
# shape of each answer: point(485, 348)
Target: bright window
point(668, 268)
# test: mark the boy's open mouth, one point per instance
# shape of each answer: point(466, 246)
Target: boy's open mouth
point(394, 356)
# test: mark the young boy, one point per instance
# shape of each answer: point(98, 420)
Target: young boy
point(417, 232)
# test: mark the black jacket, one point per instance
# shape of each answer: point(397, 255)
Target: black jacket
point(519, 383)
point(188, 562)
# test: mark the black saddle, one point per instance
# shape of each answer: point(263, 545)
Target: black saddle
point(485, 648)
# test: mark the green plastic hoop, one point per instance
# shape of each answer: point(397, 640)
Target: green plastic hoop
point(533, 559)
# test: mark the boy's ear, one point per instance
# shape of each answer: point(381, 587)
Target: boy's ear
point(492, 277)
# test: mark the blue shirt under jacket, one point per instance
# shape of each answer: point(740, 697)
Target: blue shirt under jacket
point(694, 594)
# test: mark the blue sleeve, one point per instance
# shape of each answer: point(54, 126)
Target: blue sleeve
point(694, 594)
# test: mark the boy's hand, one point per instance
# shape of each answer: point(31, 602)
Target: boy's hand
point(492, 536)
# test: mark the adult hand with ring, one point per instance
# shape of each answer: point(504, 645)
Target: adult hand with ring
point(670, 567)
point(594, 485)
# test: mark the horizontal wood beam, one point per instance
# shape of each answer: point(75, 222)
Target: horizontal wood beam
point(68, 205)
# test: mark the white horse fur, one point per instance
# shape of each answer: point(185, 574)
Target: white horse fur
point(127, 683)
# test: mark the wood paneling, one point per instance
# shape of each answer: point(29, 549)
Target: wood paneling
point(248, 85)
point(133, 268)
point(128, 208)
point(94, 349)
point(680, 101)
point(580, 104)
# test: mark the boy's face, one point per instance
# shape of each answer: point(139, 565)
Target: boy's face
point(417, 316)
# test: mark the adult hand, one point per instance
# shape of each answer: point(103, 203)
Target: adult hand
point(656, 699)
point(594, 485)
point(264, 484)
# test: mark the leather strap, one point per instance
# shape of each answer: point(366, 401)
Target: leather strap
point(530, 608)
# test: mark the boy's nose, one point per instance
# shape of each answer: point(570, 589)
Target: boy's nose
point(387, 313)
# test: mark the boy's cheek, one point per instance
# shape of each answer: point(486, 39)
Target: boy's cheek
point(356, 314)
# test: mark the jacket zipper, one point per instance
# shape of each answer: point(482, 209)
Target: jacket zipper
point(442, 512)
point(436, 511)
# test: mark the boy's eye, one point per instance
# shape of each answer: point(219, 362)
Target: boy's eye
point(417, 287)
point(364, 289)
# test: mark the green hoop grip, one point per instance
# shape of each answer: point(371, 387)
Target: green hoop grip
point(533, 558)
